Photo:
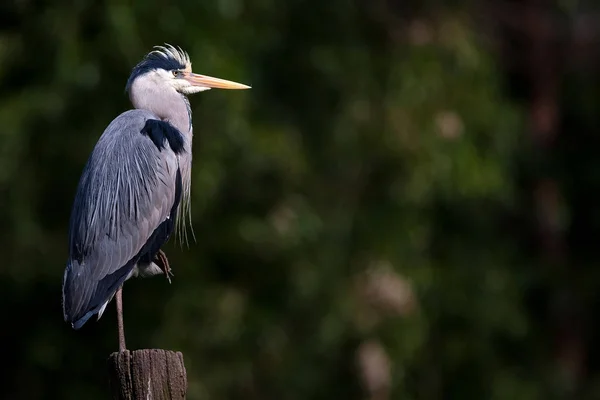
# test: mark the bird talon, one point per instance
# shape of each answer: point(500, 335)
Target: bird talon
point(161, 260)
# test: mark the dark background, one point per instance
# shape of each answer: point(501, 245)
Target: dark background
point(405, 205)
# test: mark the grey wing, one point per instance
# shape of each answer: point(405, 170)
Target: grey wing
point(122, 211)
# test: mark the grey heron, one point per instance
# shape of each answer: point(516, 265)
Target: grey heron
point(135, 187)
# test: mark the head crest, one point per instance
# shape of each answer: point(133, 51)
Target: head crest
point(165, 57)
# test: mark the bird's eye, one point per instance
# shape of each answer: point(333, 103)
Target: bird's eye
point(176, 73)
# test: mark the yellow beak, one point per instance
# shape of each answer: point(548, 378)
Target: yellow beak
point(209, 81)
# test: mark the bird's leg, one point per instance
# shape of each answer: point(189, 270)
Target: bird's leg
point(119, 301)
point(161, 260)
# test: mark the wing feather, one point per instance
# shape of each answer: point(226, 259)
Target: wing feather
point(127, 189)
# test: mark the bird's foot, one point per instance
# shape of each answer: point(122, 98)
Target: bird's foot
point(161, 260)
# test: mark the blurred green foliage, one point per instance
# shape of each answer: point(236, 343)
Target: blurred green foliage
point(363, 208)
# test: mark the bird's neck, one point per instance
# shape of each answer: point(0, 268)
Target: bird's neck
point(181, 116)
point(168, 105)
point(173, 107)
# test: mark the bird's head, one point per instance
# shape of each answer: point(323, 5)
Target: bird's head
point(170, 67)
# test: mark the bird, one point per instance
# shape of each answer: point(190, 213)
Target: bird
point(134, 190)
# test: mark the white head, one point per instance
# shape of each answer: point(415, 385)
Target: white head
point(168, 67)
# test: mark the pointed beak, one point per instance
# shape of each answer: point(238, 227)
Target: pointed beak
point(210, 82)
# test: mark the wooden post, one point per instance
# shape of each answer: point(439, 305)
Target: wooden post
point(147, 374)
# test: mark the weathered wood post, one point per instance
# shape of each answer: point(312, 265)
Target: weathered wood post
point(147, 374)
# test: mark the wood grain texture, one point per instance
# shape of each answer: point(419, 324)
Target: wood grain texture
point(148, 374)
